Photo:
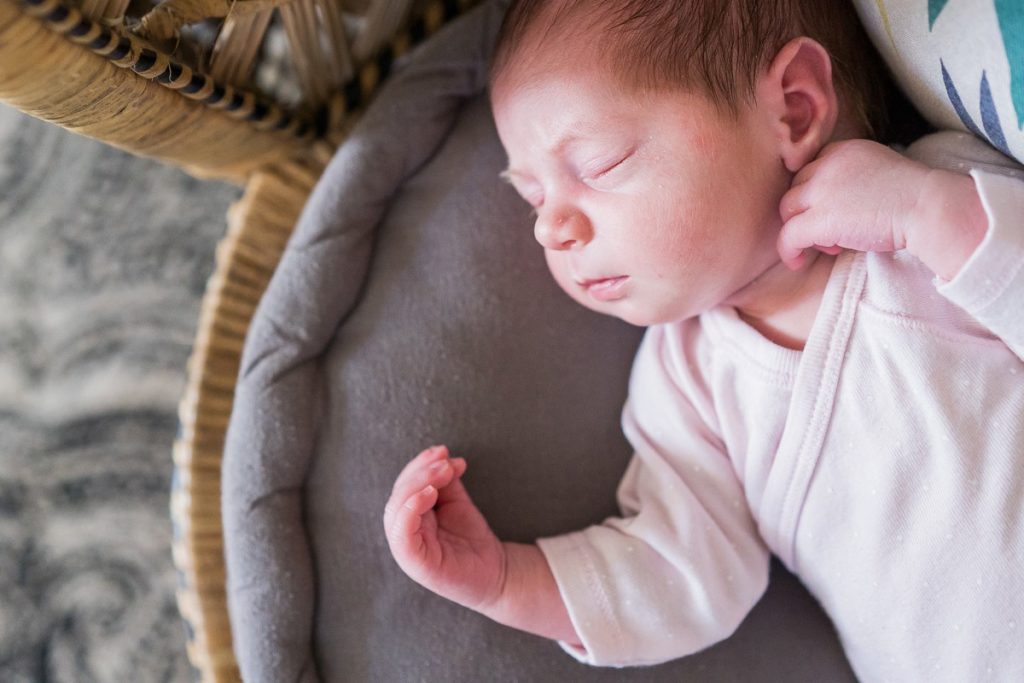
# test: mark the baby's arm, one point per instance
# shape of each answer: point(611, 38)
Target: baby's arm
point(442, 541)
point(676, 573)
point(968, 229)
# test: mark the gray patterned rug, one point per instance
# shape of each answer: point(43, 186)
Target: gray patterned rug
point(103, 260)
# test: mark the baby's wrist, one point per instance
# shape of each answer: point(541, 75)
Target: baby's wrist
point(519, 568)
point(529, 598)
point(948, 222)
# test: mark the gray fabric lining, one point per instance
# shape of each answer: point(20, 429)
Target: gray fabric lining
point(413, 307)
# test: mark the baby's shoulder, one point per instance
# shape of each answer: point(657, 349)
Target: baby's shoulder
point(675, 347)
point(901, 288)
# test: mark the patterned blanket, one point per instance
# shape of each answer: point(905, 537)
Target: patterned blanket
point(103, 260)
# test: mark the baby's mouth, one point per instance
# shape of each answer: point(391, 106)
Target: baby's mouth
point(605, 288)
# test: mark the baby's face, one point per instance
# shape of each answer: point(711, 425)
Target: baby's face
point(652, 208)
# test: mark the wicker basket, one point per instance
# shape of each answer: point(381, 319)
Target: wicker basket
point(176, 82)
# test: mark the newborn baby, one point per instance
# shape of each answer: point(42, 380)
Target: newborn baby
point(832, 370)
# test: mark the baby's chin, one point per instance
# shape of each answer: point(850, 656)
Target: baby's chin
point(625, 309)
point(642, 318)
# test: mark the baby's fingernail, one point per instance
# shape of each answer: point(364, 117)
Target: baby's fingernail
point(438, 466)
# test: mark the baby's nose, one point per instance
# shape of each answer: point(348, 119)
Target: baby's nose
point(562, 229)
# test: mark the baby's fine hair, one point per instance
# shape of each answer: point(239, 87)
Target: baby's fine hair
point(717, 47)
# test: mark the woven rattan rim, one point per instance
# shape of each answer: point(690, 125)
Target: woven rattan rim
point(113, 86)
point(130, 52)
point(259, 226)
point(46, 75)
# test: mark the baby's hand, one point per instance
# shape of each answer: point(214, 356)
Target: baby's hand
point(857, 194)
point(438, 536)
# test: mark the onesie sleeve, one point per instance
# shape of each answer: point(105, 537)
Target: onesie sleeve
point(684, 564)
point(990, 285)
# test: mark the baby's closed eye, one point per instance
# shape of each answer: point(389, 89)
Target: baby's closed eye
point(606, 172)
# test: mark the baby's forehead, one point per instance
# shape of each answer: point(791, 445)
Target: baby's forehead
point(559, 75)
point(569, 41)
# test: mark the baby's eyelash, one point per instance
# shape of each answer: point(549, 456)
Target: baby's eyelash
point(610, 168)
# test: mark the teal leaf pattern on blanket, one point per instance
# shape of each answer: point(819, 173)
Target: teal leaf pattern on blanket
point(958, 104)
point(1010, 17)
point(990, 117)
point(1011, 24)
point(934, 8)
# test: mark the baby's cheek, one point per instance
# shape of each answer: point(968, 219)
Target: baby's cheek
point(559, 270)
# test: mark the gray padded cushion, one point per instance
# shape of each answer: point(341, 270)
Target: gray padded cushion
point(413, 307)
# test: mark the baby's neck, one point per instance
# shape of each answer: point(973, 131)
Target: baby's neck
point(782, 304)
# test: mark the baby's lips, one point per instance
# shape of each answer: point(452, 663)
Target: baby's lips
point(606, 289)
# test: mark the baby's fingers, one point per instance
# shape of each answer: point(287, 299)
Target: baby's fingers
point(437, 474)
point(794, 202)
point(791, 243)
point(416, 473)
point(801, 232)
point(406, 521)
point(423, 459)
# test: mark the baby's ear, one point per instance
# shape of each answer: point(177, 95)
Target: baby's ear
point(801, 99)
